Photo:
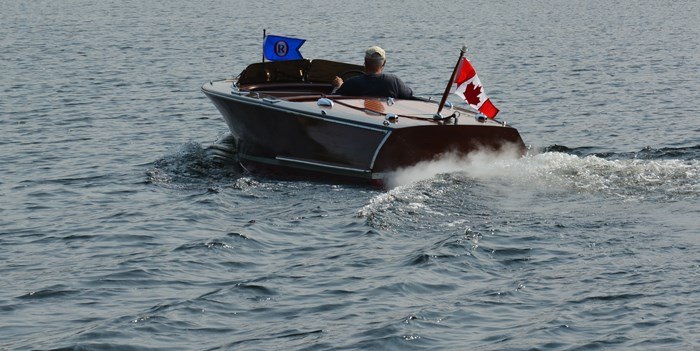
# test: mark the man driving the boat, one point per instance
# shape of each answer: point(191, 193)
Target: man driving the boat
point(374, 82)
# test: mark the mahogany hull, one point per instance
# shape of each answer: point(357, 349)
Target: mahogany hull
point(296, 137)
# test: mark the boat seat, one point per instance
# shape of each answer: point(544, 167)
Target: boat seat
point(323, 71)
point(293, 71)
point(296, 88)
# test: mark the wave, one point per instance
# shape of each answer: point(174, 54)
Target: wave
point(432, 196)
point(629, 178)
point(190, 165)
point(647, 153)
point(669, 173)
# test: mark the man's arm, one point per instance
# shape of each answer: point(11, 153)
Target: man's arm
point(337, 83)
point(403, 91)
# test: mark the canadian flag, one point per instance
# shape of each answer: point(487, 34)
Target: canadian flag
point(470, 89)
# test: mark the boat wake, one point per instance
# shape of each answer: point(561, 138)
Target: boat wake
point(191, 165)
point(646, 174)
point(653, 174)
point(476, 164)
point(647, 153)
point(447, 187)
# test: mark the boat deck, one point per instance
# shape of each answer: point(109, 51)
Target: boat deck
point(304, 97)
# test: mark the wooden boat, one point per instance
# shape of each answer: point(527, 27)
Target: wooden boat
point(287, 123)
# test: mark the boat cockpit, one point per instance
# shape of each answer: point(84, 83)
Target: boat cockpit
point(295, 76)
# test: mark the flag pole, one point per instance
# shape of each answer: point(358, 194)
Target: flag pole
point(449, 83)
point(263, 51)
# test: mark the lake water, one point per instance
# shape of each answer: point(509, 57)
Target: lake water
point(120, 230)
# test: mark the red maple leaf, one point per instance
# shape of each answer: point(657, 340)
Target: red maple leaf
point(471, 94)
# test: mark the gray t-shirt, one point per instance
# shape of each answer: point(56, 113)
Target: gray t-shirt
point(378, 85)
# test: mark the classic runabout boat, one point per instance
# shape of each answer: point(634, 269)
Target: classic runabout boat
point(286, 121)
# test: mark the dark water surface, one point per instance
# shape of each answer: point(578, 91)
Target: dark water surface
point(120, 230)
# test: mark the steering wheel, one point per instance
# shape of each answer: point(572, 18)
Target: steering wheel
point(351, 73)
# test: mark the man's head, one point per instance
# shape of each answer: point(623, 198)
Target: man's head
point(375, 58)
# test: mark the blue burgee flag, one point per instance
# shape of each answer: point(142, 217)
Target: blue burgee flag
point(277, 48)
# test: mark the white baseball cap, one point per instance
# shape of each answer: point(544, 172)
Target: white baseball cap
point(375, 53)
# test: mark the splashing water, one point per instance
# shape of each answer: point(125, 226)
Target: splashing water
point(480, 164)
point(191, 165)
point(628, 178)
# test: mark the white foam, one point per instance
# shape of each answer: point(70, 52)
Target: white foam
point(623, 177)
point(480, 164)
point(626, 177)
